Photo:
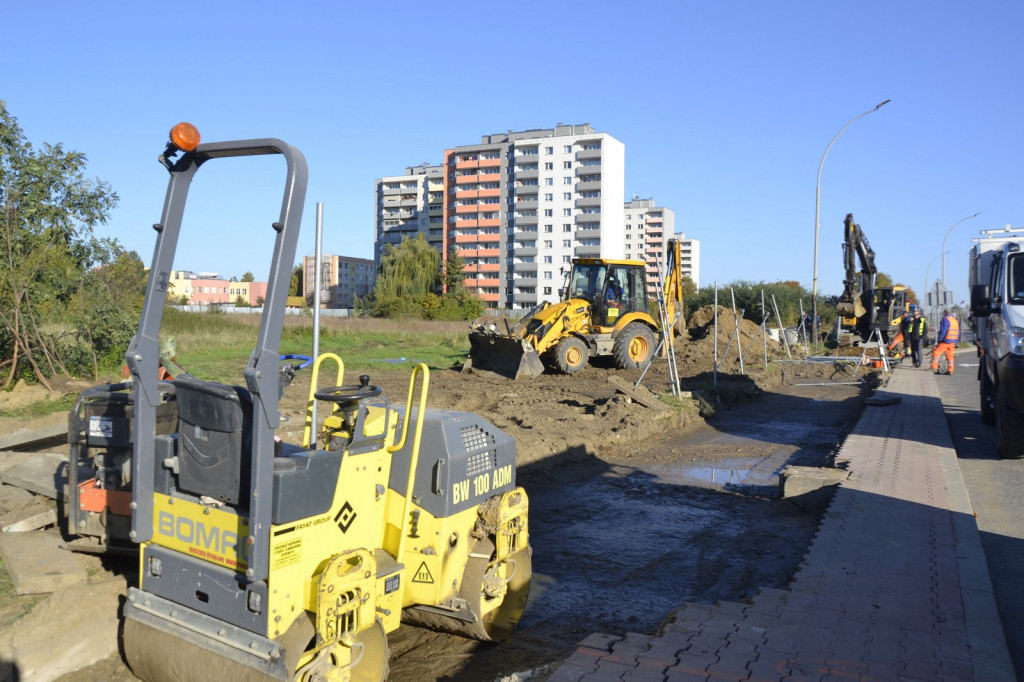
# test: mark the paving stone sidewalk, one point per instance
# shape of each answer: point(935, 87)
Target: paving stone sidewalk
point(893, 587)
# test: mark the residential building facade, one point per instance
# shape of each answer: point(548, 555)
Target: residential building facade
point(689, 260)
point(646, 227)
point(207, 288)
point(342, 279)
point(410, 204)
point(520, 205)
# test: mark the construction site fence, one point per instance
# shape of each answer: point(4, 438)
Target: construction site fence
point(258, 310)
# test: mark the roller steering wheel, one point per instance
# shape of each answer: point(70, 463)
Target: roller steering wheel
point(349, 394)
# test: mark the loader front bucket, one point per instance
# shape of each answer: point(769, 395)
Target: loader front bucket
point(504, 355)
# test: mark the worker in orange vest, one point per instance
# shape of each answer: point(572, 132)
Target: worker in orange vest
point(949, 336)
point(902, 336)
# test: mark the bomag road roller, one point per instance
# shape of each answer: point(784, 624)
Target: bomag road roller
point(263, 560)
point(605, 312)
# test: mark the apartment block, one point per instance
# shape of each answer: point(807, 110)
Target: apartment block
point(520, 205)
point(646, 227)
point(689, 259)
point(408, 205)
point(342, 279)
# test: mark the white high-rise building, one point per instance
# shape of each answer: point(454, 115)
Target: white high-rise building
point(408, 205)
point(521, 205)
point(646, 226)
point(689, 259)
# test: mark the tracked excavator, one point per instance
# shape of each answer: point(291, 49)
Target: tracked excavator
point(266, 560)
point(605, 312)
point(862, 307)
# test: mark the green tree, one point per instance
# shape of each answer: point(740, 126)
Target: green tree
point(105, 311)
point(48, 212)
point(295, 287)
point(248, 277)
point(412, 283)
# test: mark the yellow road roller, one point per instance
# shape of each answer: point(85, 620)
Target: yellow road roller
point(265, 560)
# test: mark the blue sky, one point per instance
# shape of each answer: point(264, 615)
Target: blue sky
point(725, 109)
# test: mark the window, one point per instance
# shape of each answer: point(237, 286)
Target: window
point(547, 228)
point(566, 259)
point(566, 243)
point(567, 196)
point(567, 164)
point(547, 274)
point(549, 166)
point(567, 180)
point(567, 212)
point(549, 150)
point(549, 197)
point(567, 149)
point(549, 181)
point(566, 227)
point(547, 291)
point(547, 243)
point(547, 259)
point(548, 212)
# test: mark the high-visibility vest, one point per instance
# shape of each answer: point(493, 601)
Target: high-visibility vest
point(953, 333)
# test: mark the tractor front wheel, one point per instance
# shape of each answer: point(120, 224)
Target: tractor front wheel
point(571, 355)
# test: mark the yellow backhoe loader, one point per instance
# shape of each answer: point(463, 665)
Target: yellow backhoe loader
point(265, 560)
point(606, 311)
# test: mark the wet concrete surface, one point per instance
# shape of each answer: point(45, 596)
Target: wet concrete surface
point(622, 540)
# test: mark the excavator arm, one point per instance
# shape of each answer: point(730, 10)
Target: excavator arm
point(673, 280)
point(855, 244)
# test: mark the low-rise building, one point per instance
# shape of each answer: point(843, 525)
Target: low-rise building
point(342, 279)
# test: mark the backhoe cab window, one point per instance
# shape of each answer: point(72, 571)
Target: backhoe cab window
point(587, 280)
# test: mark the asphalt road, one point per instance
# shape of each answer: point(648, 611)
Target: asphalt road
point(994, 486)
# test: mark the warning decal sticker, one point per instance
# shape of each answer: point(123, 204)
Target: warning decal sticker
point(423, 574)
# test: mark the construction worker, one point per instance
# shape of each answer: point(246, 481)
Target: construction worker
point(917, 332)
point(902, 336)
point(949, 336)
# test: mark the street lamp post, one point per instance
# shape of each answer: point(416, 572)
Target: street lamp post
point(817, 221)
point(944, 252)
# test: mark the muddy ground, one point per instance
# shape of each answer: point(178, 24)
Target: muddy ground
point(633, 512)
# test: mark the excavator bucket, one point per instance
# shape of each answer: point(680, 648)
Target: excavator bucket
point(505, 355)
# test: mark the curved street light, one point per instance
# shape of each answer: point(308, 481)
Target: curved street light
point(944, 252)
point(817, 222)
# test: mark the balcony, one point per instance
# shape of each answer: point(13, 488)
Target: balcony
point(466, 179)
point(529, 204)
point(468, 208)
point(525, 298)
point(460, 165)
point(587, 218)
point(588, 170)
point(526, 251)
point(391, 192)
point(591, 186)
point(411, 203)
point(527, 189)
point(490, 163)
point(527, 174)
point(588, 251)
point(489, 193)
point(526, 220)
point(588, 202)
point(585, 154)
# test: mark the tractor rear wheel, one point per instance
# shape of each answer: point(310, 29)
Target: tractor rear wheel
point(634, 346)
point(571, 355)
